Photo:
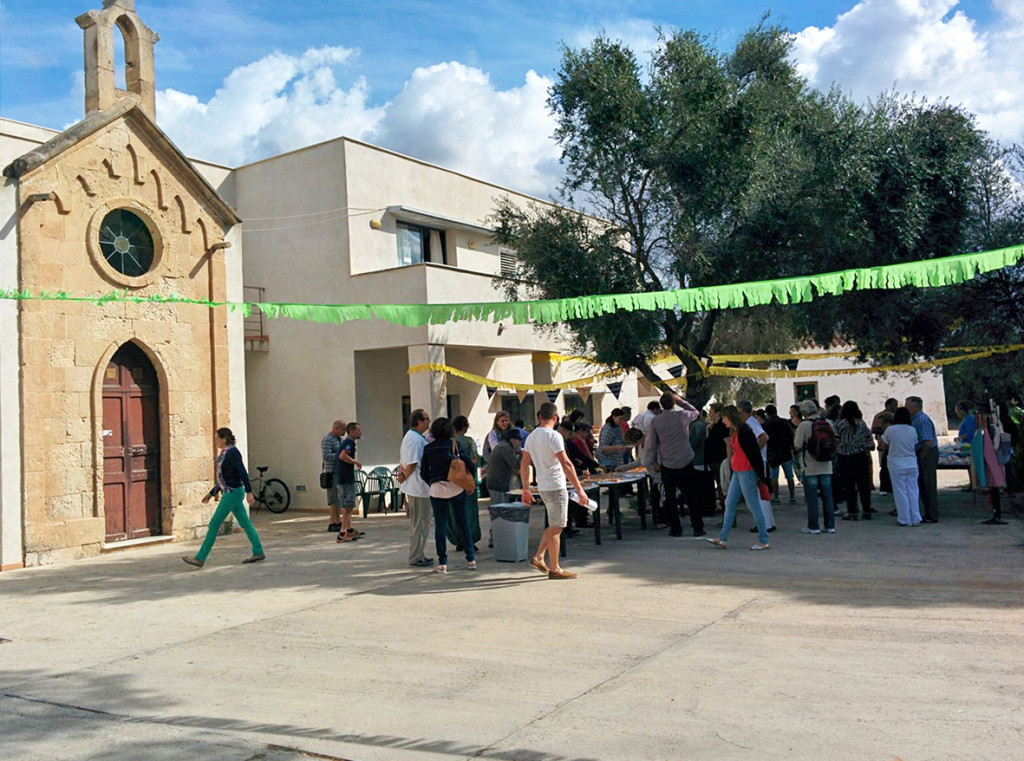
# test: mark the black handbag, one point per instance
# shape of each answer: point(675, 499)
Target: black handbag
point(326, 480)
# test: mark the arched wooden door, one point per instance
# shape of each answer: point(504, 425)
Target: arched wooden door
point(131, 446)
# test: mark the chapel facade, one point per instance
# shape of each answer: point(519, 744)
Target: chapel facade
point(107, 411)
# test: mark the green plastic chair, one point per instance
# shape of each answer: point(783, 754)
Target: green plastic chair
point(377, 484)
point(361, 489)
point(396, 495)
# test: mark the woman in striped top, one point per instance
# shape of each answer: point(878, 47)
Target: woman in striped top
point(854, 448)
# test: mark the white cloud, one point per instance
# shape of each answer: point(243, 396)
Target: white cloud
point(274, 105)
point(449, 114)
point(638, 34)
point(452, 115)
point(927, 47)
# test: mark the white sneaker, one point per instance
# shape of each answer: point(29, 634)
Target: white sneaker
point(830, 531)
point(806, 530)
point(441, 569)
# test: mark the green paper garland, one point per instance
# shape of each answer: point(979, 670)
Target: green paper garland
point(930, 273)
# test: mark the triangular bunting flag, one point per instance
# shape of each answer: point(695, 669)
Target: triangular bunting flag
point(644, 387)
point(552, 395)
point(584, 392)
point(676, 371)
point(491, 391)
point(615, 388)
point(522, 395)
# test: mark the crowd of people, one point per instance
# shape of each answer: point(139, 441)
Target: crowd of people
point(697, 462)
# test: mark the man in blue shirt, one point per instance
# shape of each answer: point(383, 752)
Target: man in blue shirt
point(927, 459)
point(347, 466)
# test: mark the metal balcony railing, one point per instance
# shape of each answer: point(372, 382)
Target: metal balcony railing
point(255, 323)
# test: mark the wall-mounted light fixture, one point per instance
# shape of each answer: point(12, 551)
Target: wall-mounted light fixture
point(501, 328)
point(473, 244)
point(374, 224)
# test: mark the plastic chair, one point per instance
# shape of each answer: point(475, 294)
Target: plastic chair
point(361, 490)
point(377, 484)
point(388, 484)
point(396, 495)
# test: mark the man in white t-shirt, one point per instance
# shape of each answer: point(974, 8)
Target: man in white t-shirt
point(644, 419)
point(747, 413)
point(545, 450)
point(415, 488)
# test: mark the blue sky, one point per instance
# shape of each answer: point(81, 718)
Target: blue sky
point(389, 62)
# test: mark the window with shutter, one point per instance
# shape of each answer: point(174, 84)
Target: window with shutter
point(508, 262)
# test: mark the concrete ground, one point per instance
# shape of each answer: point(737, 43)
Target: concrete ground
point(876, 643)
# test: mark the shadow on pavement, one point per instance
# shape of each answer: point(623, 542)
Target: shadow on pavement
point(865, 564)
point(28, 726)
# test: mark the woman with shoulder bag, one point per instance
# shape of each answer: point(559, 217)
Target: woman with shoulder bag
point(466, 444)
point(747, 475)
point(854, 448)
point(446, 469)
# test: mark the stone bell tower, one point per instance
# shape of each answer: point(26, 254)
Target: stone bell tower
point(100, 91)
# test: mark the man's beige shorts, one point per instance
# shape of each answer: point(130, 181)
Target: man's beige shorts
point(557, 505)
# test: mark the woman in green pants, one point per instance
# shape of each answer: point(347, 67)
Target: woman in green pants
point(232, 489)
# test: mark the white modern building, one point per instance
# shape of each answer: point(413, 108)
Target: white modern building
point(347, 222)
point(868, 389)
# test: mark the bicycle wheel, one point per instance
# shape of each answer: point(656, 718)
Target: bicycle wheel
point(275, 495)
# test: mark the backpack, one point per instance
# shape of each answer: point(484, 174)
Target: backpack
point(822, 444)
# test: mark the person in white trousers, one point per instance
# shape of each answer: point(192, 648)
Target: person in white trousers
point(900, 438)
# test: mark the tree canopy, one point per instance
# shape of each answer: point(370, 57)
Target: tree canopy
point(710, 168)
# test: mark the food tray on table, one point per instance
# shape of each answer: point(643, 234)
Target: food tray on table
point(953, 457)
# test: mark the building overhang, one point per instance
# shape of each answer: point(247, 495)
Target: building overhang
point(406, 214)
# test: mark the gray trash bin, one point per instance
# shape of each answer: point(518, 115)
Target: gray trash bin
point(510, 531)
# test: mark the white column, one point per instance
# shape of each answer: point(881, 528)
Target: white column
point(543, 372)
point(428, 390)
point(10, 390)
point(236, 339)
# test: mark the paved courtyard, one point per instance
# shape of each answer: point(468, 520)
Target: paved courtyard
point(875, 643)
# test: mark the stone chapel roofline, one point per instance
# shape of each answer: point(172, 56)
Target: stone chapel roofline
point(130, 110)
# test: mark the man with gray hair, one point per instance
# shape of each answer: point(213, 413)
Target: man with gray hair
point(811, 445)
point(415, 488)
point(927, 459)
point(330, 449)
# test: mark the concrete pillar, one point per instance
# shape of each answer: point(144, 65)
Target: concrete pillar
point(11, 555)
point(543, 372)
point(428, 390)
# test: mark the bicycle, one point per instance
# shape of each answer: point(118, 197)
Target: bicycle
point(272, 492)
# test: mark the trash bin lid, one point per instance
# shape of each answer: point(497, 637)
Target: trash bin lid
point(512, 511)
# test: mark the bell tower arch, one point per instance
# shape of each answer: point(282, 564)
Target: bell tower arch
point(101, 91)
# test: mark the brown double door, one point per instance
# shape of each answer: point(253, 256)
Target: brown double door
point(131, 446)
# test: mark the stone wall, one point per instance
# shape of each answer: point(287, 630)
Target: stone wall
point(66, 346)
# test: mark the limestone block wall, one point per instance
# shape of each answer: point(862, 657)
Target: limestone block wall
point(66, 346)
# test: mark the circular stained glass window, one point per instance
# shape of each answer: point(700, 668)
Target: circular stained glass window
point(126, 243)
